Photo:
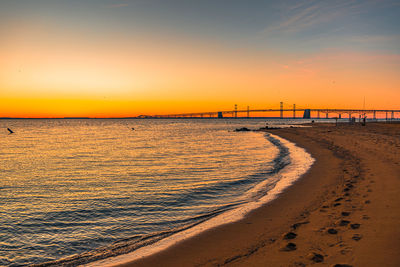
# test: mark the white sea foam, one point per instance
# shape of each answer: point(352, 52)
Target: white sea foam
point(300, 162)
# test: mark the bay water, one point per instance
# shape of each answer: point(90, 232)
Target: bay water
point(72, 186)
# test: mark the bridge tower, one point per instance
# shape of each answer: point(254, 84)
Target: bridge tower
point(294, 111)
point(235, 111)
point(248, 112)
point(281, 115)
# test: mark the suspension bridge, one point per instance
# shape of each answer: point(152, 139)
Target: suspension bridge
point(389, 114)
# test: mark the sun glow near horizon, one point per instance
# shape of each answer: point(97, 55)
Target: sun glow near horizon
point(118, 65)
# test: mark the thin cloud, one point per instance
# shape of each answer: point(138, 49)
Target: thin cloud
point(376, 38)
point(307, 14)
point(119, 5)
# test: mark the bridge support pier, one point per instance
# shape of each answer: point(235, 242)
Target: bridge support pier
point(307, 114)
point(327, 115)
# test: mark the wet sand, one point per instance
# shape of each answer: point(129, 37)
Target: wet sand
point(344, 210)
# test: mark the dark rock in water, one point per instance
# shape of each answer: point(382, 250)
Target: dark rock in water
point(243, 129)
point(357, 237)
point(290, 235)
point(338, 199)
point(332, 231)
point(344, 222)
point(355, 225)
point(336, 204)
point(345, 213)
point(290, 247)
point(315, 257)
point(342, 265)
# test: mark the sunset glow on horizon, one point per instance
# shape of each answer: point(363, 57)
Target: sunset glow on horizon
point(112, 58)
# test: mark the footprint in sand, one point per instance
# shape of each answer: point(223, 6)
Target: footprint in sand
point(332, 231)
point(357, 237)
point(290, 235)
point(344, 223)
point(315, 257)
point(349, 185)
point(289, 247)
point(297, 225)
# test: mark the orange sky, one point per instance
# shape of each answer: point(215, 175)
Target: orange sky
point(45, 72)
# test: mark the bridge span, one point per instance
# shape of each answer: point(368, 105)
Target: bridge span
point(283, 113)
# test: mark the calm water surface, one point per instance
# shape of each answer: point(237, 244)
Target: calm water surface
point(70, 186)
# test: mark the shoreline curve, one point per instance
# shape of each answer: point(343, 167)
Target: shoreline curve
point(301, 162)
point(344, 210)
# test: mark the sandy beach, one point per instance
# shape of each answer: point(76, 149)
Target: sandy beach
point(344, 211)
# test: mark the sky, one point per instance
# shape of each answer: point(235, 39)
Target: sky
point(122, 58)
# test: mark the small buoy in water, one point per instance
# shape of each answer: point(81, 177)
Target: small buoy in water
point(11, 131)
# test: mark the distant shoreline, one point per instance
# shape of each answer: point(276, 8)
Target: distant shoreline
point(342, 120)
